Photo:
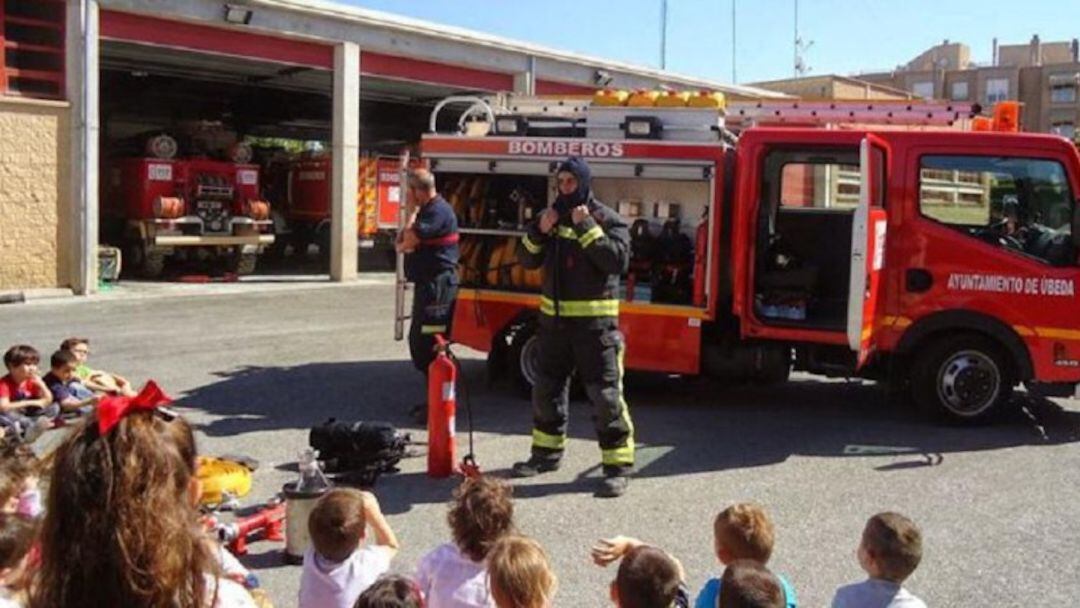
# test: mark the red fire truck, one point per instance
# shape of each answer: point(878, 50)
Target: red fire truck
point(302, 208)
point(895, 245)
point(159, 206)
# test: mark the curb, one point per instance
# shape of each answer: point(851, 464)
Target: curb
point(33, 295)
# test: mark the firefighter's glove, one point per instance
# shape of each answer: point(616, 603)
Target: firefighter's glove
point(579, 214)
point(547, 221)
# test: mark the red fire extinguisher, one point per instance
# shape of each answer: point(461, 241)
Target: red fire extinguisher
point(442, 410)
point(701, 248)
point(442, 416)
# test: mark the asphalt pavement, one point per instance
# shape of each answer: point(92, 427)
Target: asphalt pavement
point(256, 364)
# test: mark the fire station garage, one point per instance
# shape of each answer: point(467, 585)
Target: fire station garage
point(219, 137)
point(212, 162)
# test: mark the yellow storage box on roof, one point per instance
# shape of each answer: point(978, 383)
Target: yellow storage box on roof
point(707, 99)
point(221, 478)
point(673, 99)
point(610, 97)
point(643, 99)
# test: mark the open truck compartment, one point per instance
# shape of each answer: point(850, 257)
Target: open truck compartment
point(665, 218)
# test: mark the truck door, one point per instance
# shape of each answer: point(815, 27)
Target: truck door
point(868, 232)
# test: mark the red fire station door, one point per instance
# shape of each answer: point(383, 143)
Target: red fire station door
point(867, 247)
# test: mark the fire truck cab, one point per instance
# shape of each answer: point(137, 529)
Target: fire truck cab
point(897, 247)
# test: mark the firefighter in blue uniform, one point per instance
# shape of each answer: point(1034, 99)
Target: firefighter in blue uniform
point(583, 247)
point(430, 242)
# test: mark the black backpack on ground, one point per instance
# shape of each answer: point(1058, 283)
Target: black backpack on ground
point(359, 451)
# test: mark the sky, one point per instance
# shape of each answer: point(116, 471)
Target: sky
point(848, 36)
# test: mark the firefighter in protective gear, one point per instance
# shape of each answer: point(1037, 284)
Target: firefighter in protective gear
point(583, 247)
point(430, 242)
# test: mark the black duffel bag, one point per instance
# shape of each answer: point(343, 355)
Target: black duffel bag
point(360, 450)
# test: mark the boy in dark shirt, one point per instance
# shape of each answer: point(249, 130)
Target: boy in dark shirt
point(68, 391)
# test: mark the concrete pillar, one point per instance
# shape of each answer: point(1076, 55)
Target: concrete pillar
point(82, 92)
point(345, 148)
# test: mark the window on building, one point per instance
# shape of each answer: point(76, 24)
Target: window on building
point(1065, 129)
point(32, 37)
point(819, 186)
point(959, 90)
point(1024, 205)
point(924, 89)
point(997, 89)
point(1063, 92)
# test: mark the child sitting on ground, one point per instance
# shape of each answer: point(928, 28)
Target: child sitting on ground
point(121, 528)
point(392, 591)
point(520, 574)
point(68, 391)
point(648, 577)
point(742, 531)
point(19, 471)
point(96, 380)
point(454, 575)
point(26, 408)
point(339, 566)
point(748, 584)
point(17, 536)
point(890, 550)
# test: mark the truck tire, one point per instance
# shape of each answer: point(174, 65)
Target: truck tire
point(322, 241)
point(144, 261)
point(963, 379)
point(772, 366)
point(522, 357)
point(243, 264)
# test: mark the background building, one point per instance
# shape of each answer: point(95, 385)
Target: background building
point(832, 86)
point(1044, 76)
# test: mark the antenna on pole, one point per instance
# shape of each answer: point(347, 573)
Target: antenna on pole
point(801, 47)
point(663, 34)
point(734, 77)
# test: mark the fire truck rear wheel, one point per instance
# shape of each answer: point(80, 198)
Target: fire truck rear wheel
point(965, 379)
point(523, 354)
point(522, 359)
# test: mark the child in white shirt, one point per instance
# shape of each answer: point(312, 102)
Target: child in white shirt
point(890, 550)
point(454, 575)
point(339, 566)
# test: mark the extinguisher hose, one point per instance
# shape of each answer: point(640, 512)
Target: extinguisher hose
point(464, 386)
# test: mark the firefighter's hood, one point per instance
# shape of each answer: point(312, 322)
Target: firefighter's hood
point(581, 171)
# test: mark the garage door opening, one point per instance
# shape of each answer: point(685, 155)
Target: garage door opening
point(214, 165)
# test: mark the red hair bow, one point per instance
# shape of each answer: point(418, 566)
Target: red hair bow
point(113, 408)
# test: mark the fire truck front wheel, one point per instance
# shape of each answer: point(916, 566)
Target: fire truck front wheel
point(243, 263)
point(965, 378)
point(146, 261)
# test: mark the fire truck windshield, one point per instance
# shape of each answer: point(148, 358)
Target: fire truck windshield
point(1021, 204)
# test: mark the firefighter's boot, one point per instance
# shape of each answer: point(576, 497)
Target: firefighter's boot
point(535, 465)
point(614, 483)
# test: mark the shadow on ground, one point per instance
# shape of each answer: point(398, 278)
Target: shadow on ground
point(683, 425)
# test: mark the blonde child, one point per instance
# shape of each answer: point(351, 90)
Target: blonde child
point(520, 574)
point(742, 531)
